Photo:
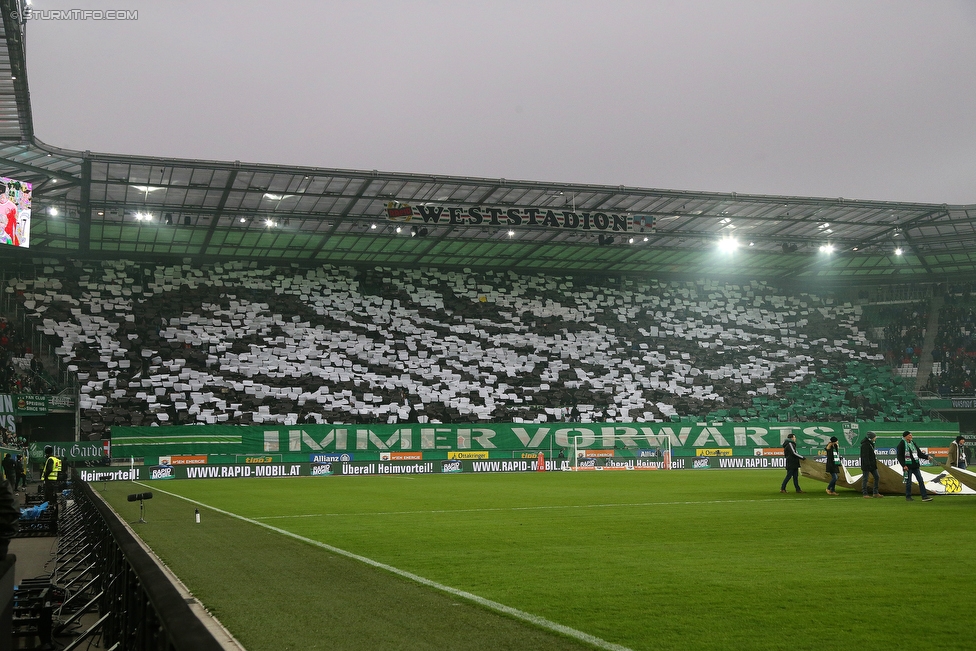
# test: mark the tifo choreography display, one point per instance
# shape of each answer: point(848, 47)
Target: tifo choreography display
point(243, 343)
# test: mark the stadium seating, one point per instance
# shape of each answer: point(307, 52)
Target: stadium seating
point(954, 353)
point(21, 370)
point(243, 343)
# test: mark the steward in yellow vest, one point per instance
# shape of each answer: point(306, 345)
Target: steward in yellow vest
point(51, 474)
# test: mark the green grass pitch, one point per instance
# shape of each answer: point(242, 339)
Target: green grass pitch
point(637, 560)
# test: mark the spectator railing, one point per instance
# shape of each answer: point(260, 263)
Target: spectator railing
point(142, 609)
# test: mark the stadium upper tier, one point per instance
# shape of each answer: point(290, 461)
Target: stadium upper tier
point(89, 204)
point(116, 206)
point(243, 343)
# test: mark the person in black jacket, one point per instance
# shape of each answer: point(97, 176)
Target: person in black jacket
point(9, 514)
point(833, 465)
point(10, 471)
point(869, 464)
point(21, 472)
point(909, 457)
point(792, 463)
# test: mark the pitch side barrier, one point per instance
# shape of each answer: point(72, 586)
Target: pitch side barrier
point(198, 452)
point(139, 608)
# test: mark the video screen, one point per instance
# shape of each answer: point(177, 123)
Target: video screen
point(15, 212)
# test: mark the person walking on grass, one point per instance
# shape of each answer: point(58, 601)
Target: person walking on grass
point(833, 465)
point(869, 464)
point(909, 456)
point(793, 459)
point(957, 453)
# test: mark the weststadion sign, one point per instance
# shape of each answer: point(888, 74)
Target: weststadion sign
point(516, 217)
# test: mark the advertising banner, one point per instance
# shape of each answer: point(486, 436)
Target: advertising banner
point(29, 404)
point(395, 468)
point(71, 451)
point(497, 440)
point(8, 419)
point(26, 404)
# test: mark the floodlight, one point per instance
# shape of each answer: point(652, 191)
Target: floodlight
point(53, 211)
point(728, 244)
point(898, 251)
point(826, 248)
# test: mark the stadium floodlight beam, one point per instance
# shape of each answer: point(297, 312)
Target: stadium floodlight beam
point(898, 251)
point(728, 244)
point(144, 189)
point(53, 211)
point(826, 248)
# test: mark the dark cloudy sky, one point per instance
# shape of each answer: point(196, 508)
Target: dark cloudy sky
point(851, 98)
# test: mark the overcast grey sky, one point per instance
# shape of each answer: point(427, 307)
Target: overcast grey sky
point(867, 100)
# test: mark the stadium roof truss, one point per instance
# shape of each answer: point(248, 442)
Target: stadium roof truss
point(106, 205)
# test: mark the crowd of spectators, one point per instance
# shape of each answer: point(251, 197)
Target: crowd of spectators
point(954, 353)
point(904, 332)
point(242, 343)
point(20, 370)
point(9, 439)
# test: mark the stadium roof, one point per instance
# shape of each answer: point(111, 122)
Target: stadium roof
point(108, 205)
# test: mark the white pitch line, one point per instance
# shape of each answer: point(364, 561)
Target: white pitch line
point(481, 601)
point(513, 508)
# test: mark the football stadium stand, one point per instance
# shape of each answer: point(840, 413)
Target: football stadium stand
point(243, 343)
